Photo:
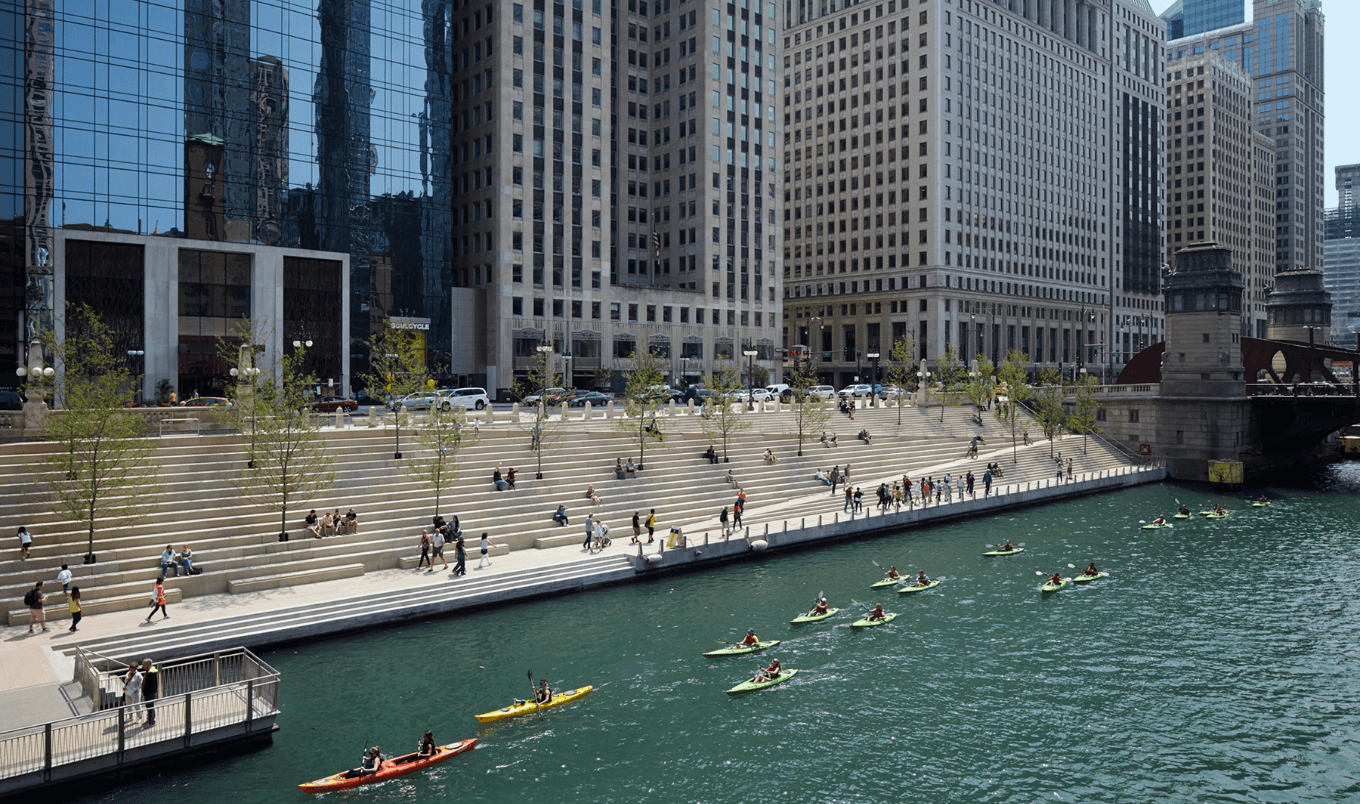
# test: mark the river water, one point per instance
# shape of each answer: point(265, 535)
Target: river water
point(1216, 663)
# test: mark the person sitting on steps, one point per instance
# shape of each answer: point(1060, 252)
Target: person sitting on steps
point(591, 495)
point(711, 456)
point(864, 436)
point(560, 515)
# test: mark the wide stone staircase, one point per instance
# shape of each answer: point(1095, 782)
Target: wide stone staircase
point(236, 544)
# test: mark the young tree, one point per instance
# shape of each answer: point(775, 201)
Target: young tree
point(725, 421)
point(287, 454)
point(952, 374)
point(103, 472)
point(1013, 376)
point(643, 396)
point(396, 370)
point(901, 371)
point(1048, 405)
point(810, 411)
point(981, 381)
point(441, 434)
point(542, 428)
point(1083, 419)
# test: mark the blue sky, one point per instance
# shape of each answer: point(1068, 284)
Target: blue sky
point(1341, 64)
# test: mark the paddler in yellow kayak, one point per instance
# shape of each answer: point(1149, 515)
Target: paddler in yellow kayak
point(542, 696)
point(877, 613)
point(1090, 572)
point(771, 672)
point(818, 609)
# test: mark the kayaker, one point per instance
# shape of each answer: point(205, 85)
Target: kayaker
point(771, 672)
point(921, 579)
point(1007, 547)
point(544, 694)
point(1218, 509)
point(818, 609)
point(372, 763)
point(877, 613)
point(427, 747)
point(751, 638)
point(1185, 511)
point(1056, 578)
point(892, 573)
point(1161, 520)
point(1263, 500)
point(1090, 571)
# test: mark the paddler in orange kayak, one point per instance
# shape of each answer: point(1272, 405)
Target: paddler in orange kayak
point(372, 763)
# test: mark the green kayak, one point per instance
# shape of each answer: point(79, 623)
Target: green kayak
point(1212, 515)
point(812, 618)
point(1155, 527)
point(751, 685)
point(738, 650)
point(868, 623)
point(1053, 587)
point(1260, 505)
point(885, 582)
point(993, 553)
point(1181, 516)
point(906, 590)
point(1089, 578)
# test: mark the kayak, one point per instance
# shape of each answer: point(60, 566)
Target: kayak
point(885, 582)
point(390, 769)
point(751, 685)
point(738, 650)
point(1089, 578)
point(1213, 515)
point(812, 618)
point(1260, 505)
point(1053, 587)
point(868, 623)
point(1155, 527)
point(993, 553)
point(529, 707)
point(1181, 516)
point(906, 590)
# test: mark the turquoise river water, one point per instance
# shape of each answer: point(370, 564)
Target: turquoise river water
point(1217, 663)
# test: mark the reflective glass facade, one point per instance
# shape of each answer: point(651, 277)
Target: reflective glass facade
point(1191, 17)
point(318, 125)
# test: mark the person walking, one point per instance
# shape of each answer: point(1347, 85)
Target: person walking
point(25, 542)
point(737, 507)
point(459, 557)
point(158, 600)
point(835, 478)
point(849, 499)
point(1069, 470)
point(437, 549)
point(424, 551)
point(73, 603)
point(969, 481)
point(987, 483)
point(845, 473)
point(590, 531)
point(64, 578)
point(151, 688)
point(34, 600)
point(859, 500)
point(722, 521)
point(132, 690)
point(637, 528)
point(651, 525)
point(486, 550)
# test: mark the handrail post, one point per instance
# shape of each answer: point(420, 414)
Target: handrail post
point(122, 732)
point(250, 704)
point(47, 752)
point(188, 719)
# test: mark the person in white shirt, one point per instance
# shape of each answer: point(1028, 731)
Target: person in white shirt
point(64, 578)
point(132, 691)
point(486, 550)
point(437, 548)
point(25, 542)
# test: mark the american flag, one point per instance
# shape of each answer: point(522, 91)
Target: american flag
point(656, 243)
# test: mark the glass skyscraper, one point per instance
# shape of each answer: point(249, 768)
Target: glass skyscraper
point(1191, 17)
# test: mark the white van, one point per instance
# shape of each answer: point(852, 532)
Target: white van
point(467, 398)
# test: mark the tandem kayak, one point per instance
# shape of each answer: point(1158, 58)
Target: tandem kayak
point(390, 769)
point(886, 582)
point(868, 623)
point(993, 553)
point(738, 650)
point(1089, 578)
point(1053, 587)
point(751, 685)
point(529, 707)
point(812, 618)
point(906, 590)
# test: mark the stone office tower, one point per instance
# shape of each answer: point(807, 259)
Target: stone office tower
point(981, 173)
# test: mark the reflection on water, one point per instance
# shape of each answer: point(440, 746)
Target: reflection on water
point(1214, 664)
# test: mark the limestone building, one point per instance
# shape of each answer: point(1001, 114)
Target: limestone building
point(1281, 49)
point(1220, 174)
point(979, 173)
point(616, 183)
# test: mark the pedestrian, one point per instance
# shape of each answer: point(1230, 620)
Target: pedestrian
point(25, 542)
point(1060, 472)
point(590, 531)
point(859, 500)
point(425, 551)
point(64, 578)
point(1069, 470)
point(987, 483)
point(722, 521)
point(969, 480)
point(34, 600)
point(158, 600)
point(736, 513)
point(845, 473)
point(459, 557)
point(651, 525)
point(132, 690)
point(151, 688)
point(73, 603)
point(835, 478)
point(849, 498)
point(486, 549)
point(637, 528)
point(437, 549)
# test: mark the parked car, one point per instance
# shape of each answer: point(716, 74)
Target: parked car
point(532, 399)
point(823, 391)
point(365, 398)
point(761, 395)
point(11, 400)
point(206, 402)
point(595, 398)
point(780, 390)
point(891, 392)
point(467, 398)
point(856, 391)
point(420, 400)
point(332, 405)
point(699, 395)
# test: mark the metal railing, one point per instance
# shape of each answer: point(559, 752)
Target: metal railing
point(197, 695)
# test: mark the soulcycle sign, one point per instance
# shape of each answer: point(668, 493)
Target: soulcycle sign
point(399, 322)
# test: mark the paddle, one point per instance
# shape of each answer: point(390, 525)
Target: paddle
point(533, 694)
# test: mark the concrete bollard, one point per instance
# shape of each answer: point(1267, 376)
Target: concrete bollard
point(585, 412)
point(514, 412)
point(609, 409)
point(670, 409)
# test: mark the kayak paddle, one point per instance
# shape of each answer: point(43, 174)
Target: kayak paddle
point(534, 691)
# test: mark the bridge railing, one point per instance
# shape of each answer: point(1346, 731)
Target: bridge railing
point(1302, 389)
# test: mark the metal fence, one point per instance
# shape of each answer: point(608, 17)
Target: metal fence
point(101, 678)
point(197, 695)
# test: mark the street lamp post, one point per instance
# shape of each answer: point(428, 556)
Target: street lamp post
point(750, 377)
point(874, 382)
point(542, 410)
point(246, 379)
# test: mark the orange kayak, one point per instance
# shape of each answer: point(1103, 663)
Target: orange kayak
point(391, 769)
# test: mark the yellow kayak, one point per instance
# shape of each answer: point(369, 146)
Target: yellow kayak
point(529, 707)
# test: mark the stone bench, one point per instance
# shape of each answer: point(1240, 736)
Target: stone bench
point(474, 551)
point(260, 583)
point(94, 605)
